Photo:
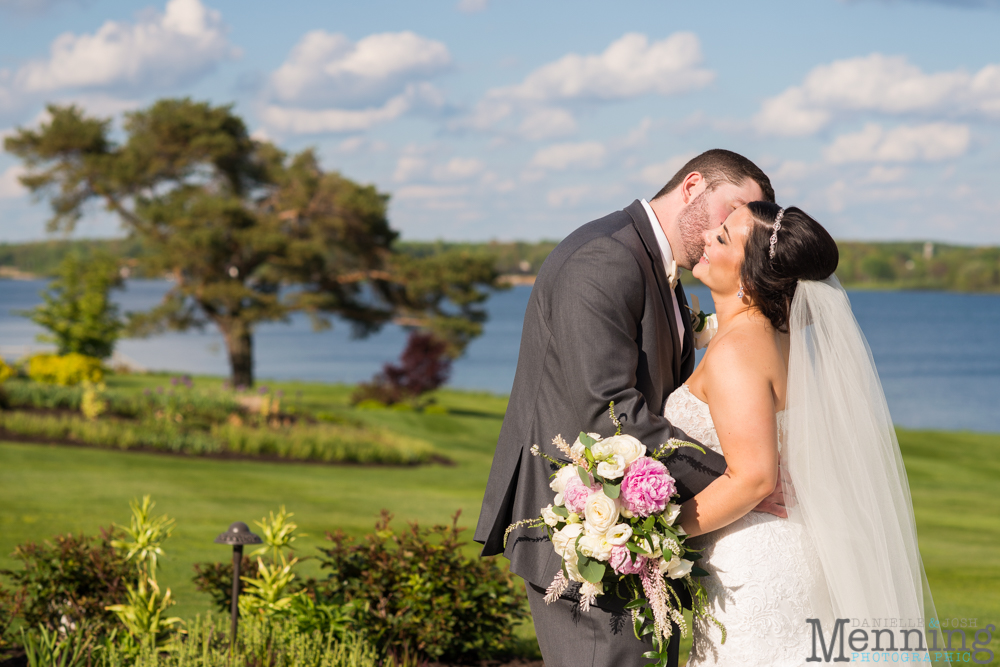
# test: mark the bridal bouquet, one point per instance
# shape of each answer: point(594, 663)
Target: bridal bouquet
point(614, 527)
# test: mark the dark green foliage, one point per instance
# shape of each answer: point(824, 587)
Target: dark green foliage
point(10, 607)
point(413, 591)
point(232, 219)
point(69, 581)
point(216, 579)
point(77, 310)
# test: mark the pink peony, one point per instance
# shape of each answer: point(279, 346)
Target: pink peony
point(576, 494)
point(621, 561)
point(647, 487)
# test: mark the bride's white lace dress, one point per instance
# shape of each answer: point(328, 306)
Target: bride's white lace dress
point(764, 575)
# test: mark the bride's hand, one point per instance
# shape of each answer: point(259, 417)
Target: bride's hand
point(774, 503)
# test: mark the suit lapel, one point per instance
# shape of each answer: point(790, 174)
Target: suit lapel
point(645, 228)
point(688, 331)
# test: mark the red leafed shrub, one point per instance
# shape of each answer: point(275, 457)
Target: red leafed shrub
point(423, 366)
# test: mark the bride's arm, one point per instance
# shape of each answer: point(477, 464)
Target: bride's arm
point(741, 400)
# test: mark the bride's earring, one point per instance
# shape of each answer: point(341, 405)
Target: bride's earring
point(739, 295)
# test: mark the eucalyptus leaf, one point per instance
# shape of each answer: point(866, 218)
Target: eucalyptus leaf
point(586, 440)
point(612, 490)
point(593, 571)
point(561, 511)
point(584, 475)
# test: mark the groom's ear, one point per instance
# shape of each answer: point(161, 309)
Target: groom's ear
point(692, 186)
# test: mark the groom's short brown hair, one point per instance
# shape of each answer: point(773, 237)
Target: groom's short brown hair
point(719, 166)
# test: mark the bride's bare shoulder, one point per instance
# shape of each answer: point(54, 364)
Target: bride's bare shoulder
point(748, 349)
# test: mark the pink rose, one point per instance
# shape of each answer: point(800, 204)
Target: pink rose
point(647, 487)
point(621, 561)
point(576, 494)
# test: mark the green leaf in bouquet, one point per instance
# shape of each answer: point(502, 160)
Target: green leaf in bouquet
point(651, 655)
point(612, 490)
point(691, 554)
point(635, 548)
point(698, 572)
point(635, 604)
point(647, 630)
point(590, 569)
point(586, 440)
point(561, 511)
point(584, 475)
point(649, 523)
point(589, 455)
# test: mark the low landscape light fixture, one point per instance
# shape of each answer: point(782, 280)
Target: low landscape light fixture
point(237, 535)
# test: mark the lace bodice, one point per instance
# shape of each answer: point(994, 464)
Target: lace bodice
point(763, 573)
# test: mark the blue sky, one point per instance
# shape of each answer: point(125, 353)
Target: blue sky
point(510, 119)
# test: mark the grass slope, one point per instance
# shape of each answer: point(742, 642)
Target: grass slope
point(46, 490)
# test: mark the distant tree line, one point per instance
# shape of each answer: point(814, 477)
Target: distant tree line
point(863, 265)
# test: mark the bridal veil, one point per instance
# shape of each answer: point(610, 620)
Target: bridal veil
point(842, 456)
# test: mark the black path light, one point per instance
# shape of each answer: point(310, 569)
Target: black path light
point(237, 535)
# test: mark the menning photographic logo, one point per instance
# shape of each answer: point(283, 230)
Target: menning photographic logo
point(902, 640)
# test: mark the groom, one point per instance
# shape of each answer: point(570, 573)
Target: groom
point(607, 321)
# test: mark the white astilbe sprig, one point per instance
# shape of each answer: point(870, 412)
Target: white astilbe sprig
point(588, 595)
point(537, 451)
point(556, 588)
point(565, 448)
point(655, 589)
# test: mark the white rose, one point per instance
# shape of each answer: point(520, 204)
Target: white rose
point(602, 449)
point(612, 468)
point(549, 517)
point(562, 478)
point(595, 546)
point(627, 447)
point(678, 567)
point(619, 534)
point(671, 513)
point(601, 512)
point(704, 337)
point(564, 541)
point(573, 569)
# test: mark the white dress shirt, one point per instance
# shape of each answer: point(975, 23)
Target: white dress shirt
point(668, 257)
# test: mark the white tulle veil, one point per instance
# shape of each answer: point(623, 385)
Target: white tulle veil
point(841, 454)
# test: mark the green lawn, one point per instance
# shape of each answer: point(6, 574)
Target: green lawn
point(46, 490)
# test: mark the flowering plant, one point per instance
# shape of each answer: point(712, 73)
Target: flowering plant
point(615, 528)
point(704, 326)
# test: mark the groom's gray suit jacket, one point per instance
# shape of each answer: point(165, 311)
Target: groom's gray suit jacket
point(599, 327)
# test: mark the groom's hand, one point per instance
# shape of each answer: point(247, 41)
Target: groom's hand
point(774, 503)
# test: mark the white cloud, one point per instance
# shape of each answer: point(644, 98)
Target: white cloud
point(327, 69)
point(547, 123)
point(458, 169)
point(660, 173)
point(907, 143)
point(160, 51)
point(299, 120)
point(876, 83)
point(10, 187)
point(586, 155)
point(882, 174)
point(575, 195)
point(472, 6)
point(631, 66)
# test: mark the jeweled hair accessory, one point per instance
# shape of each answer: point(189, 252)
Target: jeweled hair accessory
point(777, 226)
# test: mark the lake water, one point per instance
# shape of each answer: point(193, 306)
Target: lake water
point(937, 353)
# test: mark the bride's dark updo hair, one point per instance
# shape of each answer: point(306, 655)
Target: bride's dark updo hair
point(804, 251)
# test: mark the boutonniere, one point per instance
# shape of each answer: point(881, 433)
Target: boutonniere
point(704, 326)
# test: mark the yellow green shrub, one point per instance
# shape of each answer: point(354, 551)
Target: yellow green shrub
point(5, 371)
point(66, 370)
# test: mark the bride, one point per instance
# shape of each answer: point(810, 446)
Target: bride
point(788, 384)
